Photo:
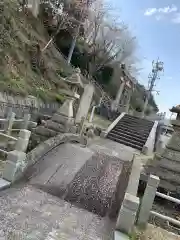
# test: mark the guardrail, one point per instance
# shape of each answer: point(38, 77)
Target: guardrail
point(162, 216)
point(15, 159)
point(7, 125)
point(148, 200)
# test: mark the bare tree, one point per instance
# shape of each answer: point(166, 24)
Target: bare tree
point(109, 39)
point(67, 15)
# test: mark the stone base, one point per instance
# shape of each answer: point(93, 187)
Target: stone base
point(43, 131)
point(62, 119)
point(4, 184)
point(120, 236)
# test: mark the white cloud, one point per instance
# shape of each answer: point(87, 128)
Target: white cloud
point(162, 11)
point(168, 9)
point(150, 11)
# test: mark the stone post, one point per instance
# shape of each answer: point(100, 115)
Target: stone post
point(128, 100)
point(127, 214)
point(116, 102)
point(23, 140)
point(14, 159)
point(135, 175)
point(65, 114)
point(85, 103)
point(34, 5)
point(10, 122)
point(26, 121)
point(147, 200)
point(92, 114)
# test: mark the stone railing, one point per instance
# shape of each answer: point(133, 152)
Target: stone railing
point(13, 146)
point(149, 146)
point(30, 105)
point(145, 210)
point(129, 208)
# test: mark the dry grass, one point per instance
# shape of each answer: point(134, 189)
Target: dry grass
point(154, 233)
point(19, 33)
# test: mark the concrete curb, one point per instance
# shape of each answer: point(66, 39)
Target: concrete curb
point(43, 148)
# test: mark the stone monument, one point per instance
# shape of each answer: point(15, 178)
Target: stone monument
point(63, 120)
point(167, 165)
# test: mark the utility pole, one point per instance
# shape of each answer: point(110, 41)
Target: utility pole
point(156, 68)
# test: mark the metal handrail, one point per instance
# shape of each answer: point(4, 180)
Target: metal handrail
point(172, 199)
point(168, 219)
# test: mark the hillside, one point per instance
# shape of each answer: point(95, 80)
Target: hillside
point(24, 69)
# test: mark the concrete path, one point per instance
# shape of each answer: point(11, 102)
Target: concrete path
point(29, 213)
point(112, 148)
point(93, 179)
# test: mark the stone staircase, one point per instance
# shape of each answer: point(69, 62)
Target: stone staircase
point(131, 131)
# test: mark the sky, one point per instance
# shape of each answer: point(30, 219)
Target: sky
point(156, 24)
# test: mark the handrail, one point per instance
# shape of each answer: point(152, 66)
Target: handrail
point(95, 83)
point(169, 219)
point(172, 199)
point(164, 217)
point(7, 136)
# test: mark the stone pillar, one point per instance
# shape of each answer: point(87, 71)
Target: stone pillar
point(128, 100)
point(65, 115)
point(92, 114)
point(34, 5)
point(135, 175)
point(14, 160)
point(127, 214)
point(85, 103)
point(148, 200)
point(116, 102)
point(10, 122)
point(23, 140)
point(25, 123)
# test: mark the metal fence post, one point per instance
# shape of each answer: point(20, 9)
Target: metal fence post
point(147, 200)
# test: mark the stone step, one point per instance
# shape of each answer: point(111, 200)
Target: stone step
point(133, 118)
point(136, 146)
point(126, 139)
point(132, 130)
point(129, 136)
point(135, 126)
point(130, 133)
point(136, 122)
